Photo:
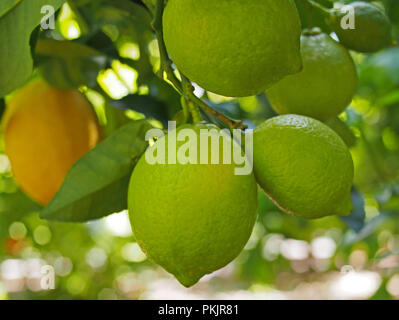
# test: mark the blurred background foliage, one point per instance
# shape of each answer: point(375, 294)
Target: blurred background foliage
point(106, 49)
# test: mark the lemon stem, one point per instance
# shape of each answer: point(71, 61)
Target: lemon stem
point(317, 6)
point(149, 5)
point(186, 110)
point(184, 87)
point(166, 63)
point(193, 108)
point(195, 113)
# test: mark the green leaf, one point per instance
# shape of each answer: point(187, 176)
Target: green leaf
point(368, 229)
point(17, 204)
point(116, 118)
point(7, 5)
point(68, 64)
point(147, 105)
point(356, 219)
point(133, 23)
point(97, 184)
point(2, 108)
point(17, 21)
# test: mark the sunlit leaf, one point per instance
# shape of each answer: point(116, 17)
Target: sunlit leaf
point(97, 184)
point(16, 26)
point(68, 64)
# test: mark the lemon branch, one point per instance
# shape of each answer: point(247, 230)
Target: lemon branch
point(197, 101)
point(183, 86)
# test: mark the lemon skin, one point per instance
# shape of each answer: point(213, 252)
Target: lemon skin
point(343, 131)
point(191, 219)
point(303, 166)
point(325, 86)
point(373, 30)
point(233, 47)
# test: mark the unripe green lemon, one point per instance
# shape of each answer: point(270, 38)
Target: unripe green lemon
point(372, 32)
point(191, 219)
point(324, 87)
point(303, 166)
point(233, 47)
point(342, 130)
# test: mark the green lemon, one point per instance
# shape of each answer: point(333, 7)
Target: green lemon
point(324, 87)
point(233, 47)
point(372, 30)
point(342, 130)
point(191, 219)
point(303, 166)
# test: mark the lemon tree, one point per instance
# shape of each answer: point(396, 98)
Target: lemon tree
point(233, 48)
point(304, 166)
point(325, 86)
point(80, 97)
point(192, 219)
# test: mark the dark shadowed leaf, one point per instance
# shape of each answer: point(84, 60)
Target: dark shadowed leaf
point(67, 64)
point(352, 237)
point(2, 108)
point(356, 219)
point(149, 106)
point(97, 184)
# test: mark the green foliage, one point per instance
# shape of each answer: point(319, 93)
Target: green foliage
point(67, 64)
point(97, 185)
point(17, 204)
point(17, 21)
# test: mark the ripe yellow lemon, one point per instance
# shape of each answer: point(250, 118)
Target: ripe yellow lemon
point(325, 86)
point(191, 219)
point(233, 47)
point(46, 130)
point(303, 166)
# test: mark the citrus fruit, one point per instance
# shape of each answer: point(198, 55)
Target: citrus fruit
point(342, 130)
point(303, 166)
point(233, 47)
point(324, 87)
point(45, 131)
point(372, 30)
point(191, 219)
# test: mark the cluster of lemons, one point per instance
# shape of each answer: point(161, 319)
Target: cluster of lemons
point(194, 219)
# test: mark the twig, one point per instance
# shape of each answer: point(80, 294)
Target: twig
point(166, 63)
point(323, 10)
point(184, 87)
point(149, 5)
